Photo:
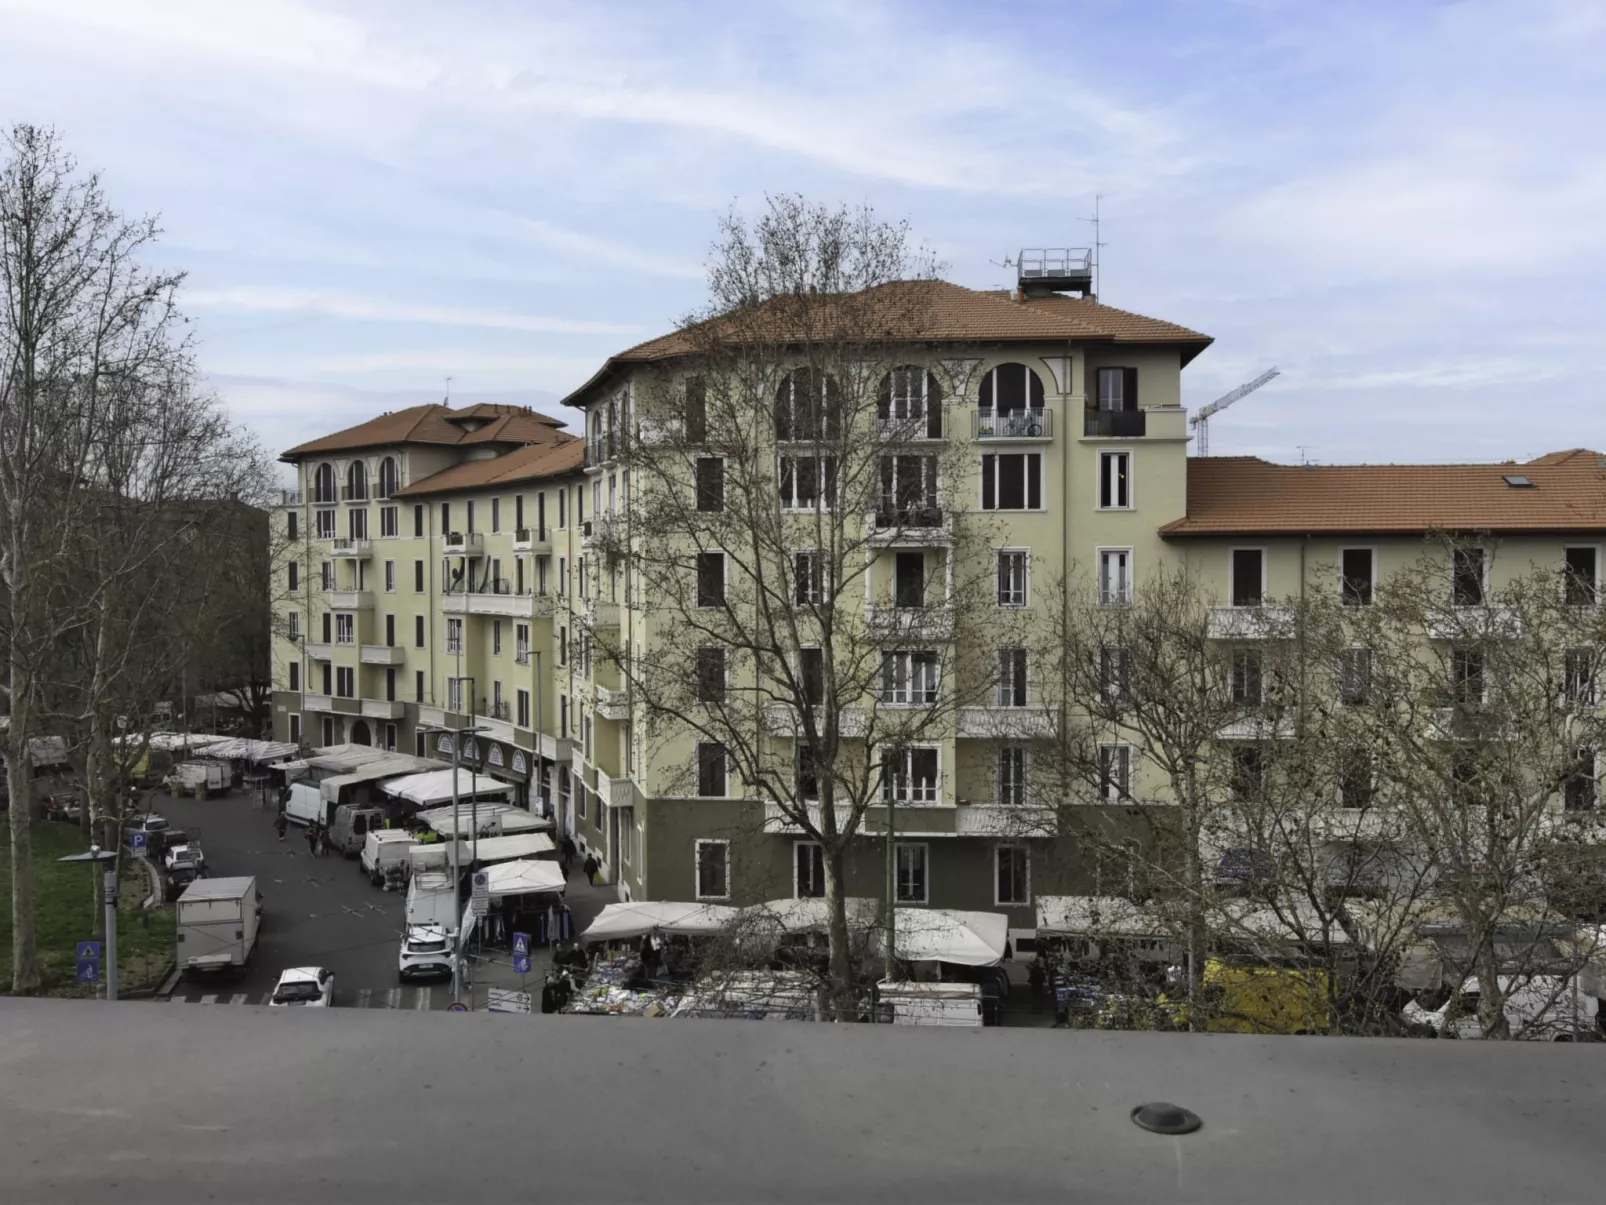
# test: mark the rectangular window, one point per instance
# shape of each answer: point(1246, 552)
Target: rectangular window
point(1012, 776)
point(1248, 577)
point(496, 515)
point(909, 775)
point(1578, 675)
point(808, 870)
point(1580, 583)
point(1467, 570)
point(1355, 778)
point(418, 577)
point(696, 412)
point(523, 700)
point(1246, 677)
point(807, 482)
point(711, 769)
point(912, 867)
point(1115, 480)
point(811, 675)
point(1115, 577)
point(326, 575)
point(563, 646)
point(711, 674)
point(292, 525)
point(1113, 677)
point(563, 718)
point(345, 628)
point(389, 527)
point(1466, 676)
point(496, 637)
point(1012, 578)
point(469, 524)
point(418, 686)
point(454, 694)
point(1011, 677)
point(390, 684)
point(346, 681)
point(328, 627)
point(295, 675)
point(808, 781)
point(710, 579)
point(1355, 676)
point(1012, 481)
point(713, 870)
point(1115, 772)
point(710, 484)
point(293, 574)
point(1118, 388)
point(357, 523)
point(418, 521)
point(326, 524)
point(1581, 791)
point(418, 631)
point(521, 643)
point(390, 577)
point(909, 678)
point(390, 737)
point(909, 579)
point(808, 577)
point(1355, 587)
point(1247, 772)
point(295, 729)
point(563, 577)
point(909, 406)
point(292, 624)
point(563, 509)
point(1011, 887)
point(328, 679)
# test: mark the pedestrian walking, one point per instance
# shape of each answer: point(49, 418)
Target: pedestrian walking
point(1036, 977)
point(591, 867)
point(323, 841)
point(312, 838)
point(281, 824)
point(567, 852)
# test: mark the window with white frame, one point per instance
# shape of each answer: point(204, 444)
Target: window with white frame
point(390, 577)
point(909, 775)
point(710, 579)
point(1012, 481)
point(1011, 677)
point(1011, 876)
point(808, 870)
point(1115, 480)
point(1581, 790)
point(1012, 569)
point(809, 578)
point(292, 624)
point(326, 524)
point(293, 576)
point(912, 872)
point(1115, 772)
point(454, 635)
point(1012, 764)
point(523, 701)
point(710, 485)
point(910, 405)
point(496, 637)
point(357, 523)
point(1114, 679)
point(1246, 677)
point(455, 694)
point(346, 681)
point(1579, 672)
point(389, 526)
point(345, 628)
point(521, 643)
point(908, 490)
point(713, 870)
point(1355, 676)
point(807, 482)
point(909, 678)
point(1115, 577)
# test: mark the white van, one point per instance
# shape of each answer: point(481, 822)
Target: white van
point(384, 848)
point(1543, 1008)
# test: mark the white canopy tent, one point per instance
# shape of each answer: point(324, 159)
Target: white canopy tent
point(485, 816)
point(506, 849)
point(392, 765)
point(972, 939)
point(1097, 916)
point(435, 786)
point(524, 878)
point(246, 749)
point(620, 922)
point(809, 915)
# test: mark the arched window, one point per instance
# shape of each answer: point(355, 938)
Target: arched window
point(808, 407)
point(357, 481)
point(388, 479)
point(910, 405)
point(1010, 388)
point(323, 489)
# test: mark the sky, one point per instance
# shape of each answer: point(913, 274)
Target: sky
point(1401, 205)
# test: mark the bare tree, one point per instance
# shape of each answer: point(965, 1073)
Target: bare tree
point(790, 538)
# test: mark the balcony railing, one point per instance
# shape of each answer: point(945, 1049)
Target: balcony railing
point(910, 623)
point(360, 494)
point(1115, 596)
point(600, 614)
point(318, 650)
point(350, 600)
point(911, 428)
point(1014, 424)
point(613, 704)
point(462, 541)
point(521, 656)
point(1114, 424)
point(1266, 622)
point(382, 654)
point(289, 497)
point(532, 539)
point(353, 547)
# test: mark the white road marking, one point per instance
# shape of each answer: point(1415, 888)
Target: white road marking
point(393, 998)
point(363, 996)
point(425, 998)
point(212, 999)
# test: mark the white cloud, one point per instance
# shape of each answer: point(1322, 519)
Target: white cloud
point(334, 304)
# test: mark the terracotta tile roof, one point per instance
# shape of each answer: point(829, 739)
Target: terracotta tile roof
point(950, 313)
point(438, 424)
point(1244, 495)
point(529, 463)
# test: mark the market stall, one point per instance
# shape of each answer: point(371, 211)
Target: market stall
point(625, 922)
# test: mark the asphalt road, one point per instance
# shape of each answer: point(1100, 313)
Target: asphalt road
point(316, 911)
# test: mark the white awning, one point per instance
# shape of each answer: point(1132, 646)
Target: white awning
point(436, 786)
point(505, 849)
point(524, 878)
point(809, 915)
point(620, 922)
point(246, 749)
point(972, 939)
point(1096, 916)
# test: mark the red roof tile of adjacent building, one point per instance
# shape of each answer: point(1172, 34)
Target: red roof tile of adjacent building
point(1244, 495)
point(528, 463)
point(438, 424)
point(942, 312)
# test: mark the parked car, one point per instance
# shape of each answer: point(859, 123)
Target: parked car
point(1544, 1008)
point(426, 953)
point(183, 864)
point(65, 806)
point(307, 987)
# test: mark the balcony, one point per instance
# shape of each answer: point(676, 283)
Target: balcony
point(350, 600)
point(1006, 723)
point(383, 709)
point(600, 530)
point(613, 704)
point(317, 703)
point(781, 720)
point(913, 428)
point(1005, 820)
point(1013, 424)
point(617, 792)
point(600, 614)
point(462, 542)
point(911, 527)
point(532, 539)
point(600, 449)
point(909, 623)
point(1115, 424)
point(289, 497)
point(1267, 622)
point(500, 600)
point(353, 549)
point(1474, 623)
point(382, 654)
point(319, 651)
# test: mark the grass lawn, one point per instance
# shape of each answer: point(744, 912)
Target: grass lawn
point(144, 944)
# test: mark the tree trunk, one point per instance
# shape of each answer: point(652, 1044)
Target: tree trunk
point(842, 1002)
point(1491, 1000)
point(24, 937)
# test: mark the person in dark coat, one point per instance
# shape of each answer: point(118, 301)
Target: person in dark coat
point(280, 824)
point(567, 853)
point(591, 867)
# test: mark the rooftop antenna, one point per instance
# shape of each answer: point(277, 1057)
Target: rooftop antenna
point(1098, 197)
point(448, 400)
point(1305, 461)
point(1202, 419)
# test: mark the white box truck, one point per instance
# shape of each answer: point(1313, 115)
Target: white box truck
point(217, 924)
point(384, 848)
point(432, 900)
point(954, 1004)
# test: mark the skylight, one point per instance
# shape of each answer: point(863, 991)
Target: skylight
point(1516, 481)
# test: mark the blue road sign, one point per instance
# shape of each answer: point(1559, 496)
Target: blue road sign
point(457, 1006)
point(139, 840)
point(521, 963)
point(88, 961)
point(521, 944)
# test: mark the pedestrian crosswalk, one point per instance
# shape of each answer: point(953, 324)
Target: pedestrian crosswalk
point(421, 998)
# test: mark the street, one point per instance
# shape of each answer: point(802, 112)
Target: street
point(322, 911)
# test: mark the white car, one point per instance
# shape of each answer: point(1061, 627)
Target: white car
point(308, 987)
point(1538, 1007)
point(426, 953)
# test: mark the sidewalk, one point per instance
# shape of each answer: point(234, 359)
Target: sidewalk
point(495, 966)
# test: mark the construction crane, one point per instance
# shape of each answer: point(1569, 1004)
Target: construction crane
point(1202, 419)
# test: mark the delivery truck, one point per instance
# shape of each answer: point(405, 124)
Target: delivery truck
point(217, 924)
point(432, 900)
point(384, 850)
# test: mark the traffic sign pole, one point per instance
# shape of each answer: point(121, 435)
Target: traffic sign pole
point(111, 935)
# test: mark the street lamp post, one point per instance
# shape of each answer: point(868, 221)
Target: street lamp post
point(457, 735)
point(94, 858)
